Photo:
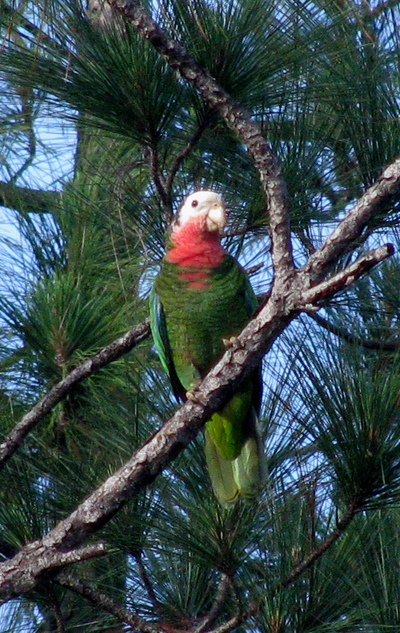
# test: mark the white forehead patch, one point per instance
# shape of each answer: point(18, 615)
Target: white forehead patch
point(199, 203)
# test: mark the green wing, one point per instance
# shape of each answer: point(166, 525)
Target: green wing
point(159, 331)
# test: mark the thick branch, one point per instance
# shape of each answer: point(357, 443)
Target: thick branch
point(57, 393)
point(23, 571)
point(86, 552)
point(248, 130)
point(292, 293)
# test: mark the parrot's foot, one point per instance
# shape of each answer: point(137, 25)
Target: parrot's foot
point(190, 393)
point(230, 342)
point(195, 398)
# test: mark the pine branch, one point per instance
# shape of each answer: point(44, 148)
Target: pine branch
point(389, 346)
point(385, 190)
point(99, 599)
point(186, 151)
point(23, 571)
point(291, 294)
point(220, 597)
point(247, 130)
point(297, 571)
point(379, 8)
point(341, 280)
point(26, 200)
point(158, 178)
point(146, 581)
point(57, 393)
point(313, 556)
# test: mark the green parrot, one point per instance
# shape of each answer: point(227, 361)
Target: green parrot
point(200, 298)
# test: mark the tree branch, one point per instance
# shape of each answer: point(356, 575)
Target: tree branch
point(248, 130)
point(158, 179)
point(296, 572)
point(146, 581)
point(26, 200)
point(220, 597)
point(313, 556)
point(388, 346)
point(57, 393)
point(184, 154)
point(90, 592)
point(291, 294)
point(341, 280)
point(23, 571)
point(341, 240)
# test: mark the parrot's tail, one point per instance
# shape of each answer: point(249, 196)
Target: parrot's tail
point(236, 478)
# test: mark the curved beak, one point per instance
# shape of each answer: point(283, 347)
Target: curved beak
point(216, 218)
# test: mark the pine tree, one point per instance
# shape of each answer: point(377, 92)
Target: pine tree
point(111, 114)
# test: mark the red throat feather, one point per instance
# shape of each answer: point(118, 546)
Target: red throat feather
point(195, 247)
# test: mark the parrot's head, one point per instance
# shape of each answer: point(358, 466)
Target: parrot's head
point(205, 209)
point(195, 236)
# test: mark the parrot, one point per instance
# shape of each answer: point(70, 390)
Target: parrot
point(201, 299)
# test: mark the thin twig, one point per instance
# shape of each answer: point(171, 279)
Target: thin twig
point(378, 345)
point(57, 393)
point(58, 616)
point(158, 179)
point(146, 582)
point(297, 571)
point(247, 129)
point(91, 592)
point(220, 597)
point(380, 8)
point(186, 151)
point(309, 560)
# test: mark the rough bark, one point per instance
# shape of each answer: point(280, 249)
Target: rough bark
point(292, 292)
point(25, 570)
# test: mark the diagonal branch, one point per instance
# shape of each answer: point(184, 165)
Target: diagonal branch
point(219, 600)
point(307, 562)
point(385, 190)
point(146, 581)
point(25, 199)
point(292, 293)
point(313, 556)
point(57, 393)
point(184, 154)
point(99, 599)
point(247, 130)
point(375, 344)
point(341, 280)
point(23, 571)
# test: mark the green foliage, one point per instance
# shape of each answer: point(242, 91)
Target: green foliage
point(322, 78)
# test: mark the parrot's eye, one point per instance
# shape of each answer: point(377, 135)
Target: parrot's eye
point(195, 203)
